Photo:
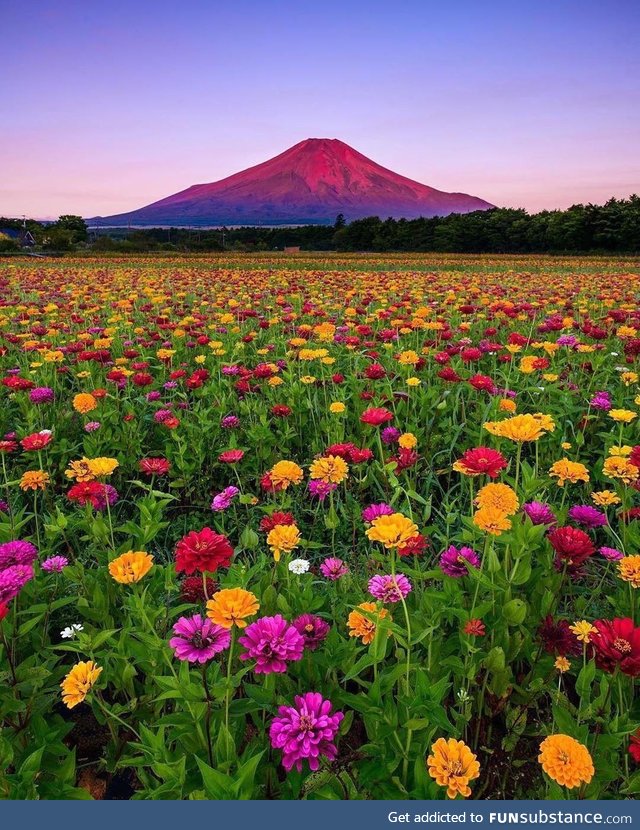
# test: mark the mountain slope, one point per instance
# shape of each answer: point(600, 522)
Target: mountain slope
point(310, 182)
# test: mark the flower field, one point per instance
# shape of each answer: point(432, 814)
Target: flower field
point(319, 528)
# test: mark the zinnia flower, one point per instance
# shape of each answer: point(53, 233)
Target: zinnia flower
point(498, 497)
point(612, 554)
point(391, 530)
point(389, 588)
point(376, 416)
point(539, 513)
point(481, 461)
point(557, 637)
point(232, 606)
point(283, 539)
point(284, 473)
point(369, 514)
point(617, 643)
point(333, 568)
point(272, 642)
point(84, 402)
point(629, 569)
point(17, 552)
point(154, 466)
point(306, 731)
point(34, 480)
point(223, 500)
point(584, 514)
point(363, 627)
point(571, 471)
point(520, 428)
point(203, 550)
point(130, 567)
point(198, 640)
point(12, 580)
point(572, 546)
point(102, 467)
point(491, 520)
point(314, 630)
point(453, 561)
point(566, 761)
point(54, 564)
point(453, 765)
point(330, 469)
point(79, 682)
point(474, 628)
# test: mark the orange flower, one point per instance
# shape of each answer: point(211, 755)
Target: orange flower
point(84, 402)
point(79, 682)
point(499, 497)
point(232, 606)
point(131, 566)
point(491, 520)
point(392, 531)
point(331, 469)
point(34, 480)
point(363, 627)
point(566, 761)
point(453, 765)
point(283, 539)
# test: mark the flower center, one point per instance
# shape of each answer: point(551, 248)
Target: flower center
point(623, 646)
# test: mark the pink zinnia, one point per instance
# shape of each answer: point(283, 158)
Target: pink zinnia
point(612, 554)
point(12, 580)
point(454, 562)
point(306, 731)
point(54, 564)
point(333, 568)
point(223, 500)
point(17, 552)
point(198, 640)
point(374, 511)
point(389, 588)
point(587, 516)
point(272, 642)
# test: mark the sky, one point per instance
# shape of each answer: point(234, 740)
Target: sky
point(107, 107)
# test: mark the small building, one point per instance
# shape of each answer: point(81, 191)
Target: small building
point(292, 249)
point(23, 237)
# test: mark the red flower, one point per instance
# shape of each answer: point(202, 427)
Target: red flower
point(375, 372)
point(192, 589)
point(36, 441)
point(470, 354)
point(87, 492)
point(280, 410)
point(557, 637)
point(449, 374)
point(342, 450)
point(634, 458)
point(617, 643)
point(634, 745)
point(360, 456)
point(572, 546)
point(8, 446)
point(404, 459)
point(415, 546)
point(142, 379)
point(474, 628)
point(376, 416)
point(231, 456)
point(4, 610)
point(481, 460)
point(482, 383)
point(154, 466)
point(203, 550)
point(269, 522)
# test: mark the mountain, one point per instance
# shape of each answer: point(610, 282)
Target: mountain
point(310, 183)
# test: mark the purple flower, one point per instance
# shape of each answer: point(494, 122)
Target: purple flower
point(452, 561)
point(230, 370)
point(198, 640)
point(313, 629)
point(271, 642)
point(539, 513)
point(567, 340)
point(389, 588)
point(601, 400)
point(4, 507)
point(584, 514)
point(41, 394)
point(321, 489)
point(12, 580)
point(153, 396)
point(333, 568)
point(109, 493)
point(92, 426)
point(223, 500)
point(305, 731)
point(390, 435)
point(230, 422)
point(612, 554)
point(17, 552)
point(375, 510)
point(54, 564)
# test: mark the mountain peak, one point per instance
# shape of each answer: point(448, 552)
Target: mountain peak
point(310, 183)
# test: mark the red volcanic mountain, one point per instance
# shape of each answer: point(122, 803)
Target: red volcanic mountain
point(310, 183)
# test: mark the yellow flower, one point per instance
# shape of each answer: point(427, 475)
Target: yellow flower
point(527, 364)
point(520, 428)
point(583, 631)
point(275, 381)
point(624, 450)
point(102, 467)
point(34, 480)
point(621, 468)
point(566, 761)
point(562, 664)
point(79, 470)
point(283, 539)
point(622, 416)
point(232, 606)
point(453, 765)
point(605, 497)
point(285, 473)
point(130, 567)
point(571, 471)
point(408, 441)
point(307, 379)
point(565, 445)
point(79, 682)
point(491, 520)
point(408, 358)
point(629, 377)
point(330, 468)
point(84, 402)
point(629, 568)
point(507, 405)
point(337, 407)
point(499, 497)
point(392, 531)
point(412, 381)
point(363, 627)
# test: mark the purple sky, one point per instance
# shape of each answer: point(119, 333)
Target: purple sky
point(107, 107)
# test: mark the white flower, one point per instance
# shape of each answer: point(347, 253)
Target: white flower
point(70, 631)
point(299, 566)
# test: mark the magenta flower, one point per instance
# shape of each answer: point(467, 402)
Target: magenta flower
point(306, 731)
point(12, 580)
point(272, 642)
point(17, 552)
point(109, 493)
point(313, 629)
point(223, 500)
point(198, 640)
point(584, 514)
point(539, 513)
point(230, 422)
point(321, 489)
point(453, 561)
point(41, 394)
point(389, 588)
point(612, 554)
point(92, 426)
point(54, 564)
point(601, 400)
point(333, 568)
point(375, 510)
point(390, 435)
